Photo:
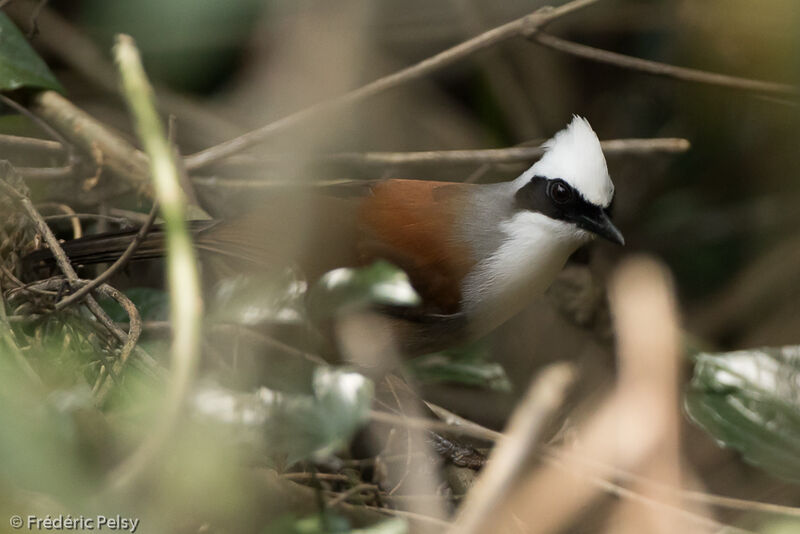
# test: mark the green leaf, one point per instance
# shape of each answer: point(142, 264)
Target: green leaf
point(468, 365)
point(750, 401)
point(20, 66)
point(344, 289)
point(251, 300)
point(299, 426)
point(331, 523)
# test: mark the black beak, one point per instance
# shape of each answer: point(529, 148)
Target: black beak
point(601, 225)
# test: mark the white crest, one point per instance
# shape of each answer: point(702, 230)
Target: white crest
point(574, 155)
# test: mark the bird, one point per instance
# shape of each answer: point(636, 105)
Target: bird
point(476, 254)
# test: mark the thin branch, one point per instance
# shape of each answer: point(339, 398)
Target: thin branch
point(92, 137)
point(122, 221)
point(77, 231)
point(116, 266)
point(51, 148)
point(149, 364)
point(100, 389)
point(669, 145)
point(523, 26)
point(662, 69)
point(47, 173)
point(44, 125)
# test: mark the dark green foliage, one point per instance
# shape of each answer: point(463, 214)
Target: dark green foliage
point(20, 66)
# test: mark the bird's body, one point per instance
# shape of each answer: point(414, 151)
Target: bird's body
point(476, 254)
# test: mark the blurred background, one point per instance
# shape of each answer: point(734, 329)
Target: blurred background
point(722, 216)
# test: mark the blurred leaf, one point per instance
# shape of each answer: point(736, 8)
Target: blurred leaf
point(390, 526)
point(39, 444)
point(332, 523)
point(251, 300)
point(467, 365)
point(318, 524)
point(750, 401)
point(380, 283)
point(20, 66)
point(153, 305)
point(299, 426)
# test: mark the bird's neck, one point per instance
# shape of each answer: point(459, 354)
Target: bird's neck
point(533, 250)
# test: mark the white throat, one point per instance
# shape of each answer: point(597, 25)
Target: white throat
point(523, 266)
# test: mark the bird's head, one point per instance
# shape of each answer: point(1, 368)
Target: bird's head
point(570, 184)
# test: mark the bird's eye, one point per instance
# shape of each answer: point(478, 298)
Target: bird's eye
point(560, 192)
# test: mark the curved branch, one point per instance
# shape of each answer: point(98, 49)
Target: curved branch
point(116, 266)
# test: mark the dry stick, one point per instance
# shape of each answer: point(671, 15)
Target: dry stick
point(62, 171)
point(102, 386)
point(51, 148)
point(544, 395)
point(523, 26)
point(77, 231)
point(44, 125)
point(92, 137)
point(516, 154)
point(503, 155)
point(662, 69)
point(149, 364)
point(116, 266)
point(183, 282)
point(122, 221)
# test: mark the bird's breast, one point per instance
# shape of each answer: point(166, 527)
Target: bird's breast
point(534, 250)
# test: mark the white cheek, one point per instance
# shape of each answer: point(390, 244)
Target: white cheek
point(535, 250)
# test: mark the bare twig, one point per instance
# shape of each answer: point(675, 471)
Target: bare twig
point(44, 125)
point(663, 69)
point(102, 389)
point(122, 221)
point(116, 266)
point(63, 263)
point(524, 26)
point(499, 155)
point(343, 496)
point(91, 137)
point(45, 147)
point(77, 231)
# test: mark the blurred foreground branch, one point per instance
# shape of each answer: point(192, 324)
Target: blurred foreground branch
point(183, 280)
